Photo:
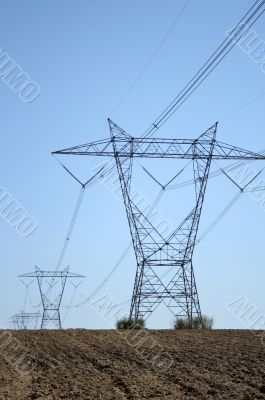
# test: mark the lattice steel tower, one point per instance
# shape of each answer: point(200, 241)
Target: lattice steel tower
point(51, 302)
point(152, 250)
point(25, 320)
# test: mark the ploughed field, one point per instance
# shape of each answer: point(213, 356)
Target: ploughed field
point(148, 364)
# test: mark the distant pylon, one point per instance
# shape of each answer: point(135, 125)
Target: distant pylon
point(24, 320)
point(51, 302)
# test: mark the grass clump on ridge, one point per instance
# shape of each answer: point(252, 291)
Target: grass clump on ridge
point(130, 323)
point(202, 322)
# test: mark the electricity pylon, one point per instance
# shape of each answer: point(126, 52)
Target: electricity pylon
point(51, 302)
point(25, 320)
point(152, 250)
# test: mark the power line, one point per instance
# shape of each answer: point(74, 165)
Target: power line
point(230, 204)
point(84, 185)
point(253, 14)
point(152, 57)
point(243, 26)
point(242, 107)
point(76, 210)
point(214, 60)
point(116, 265)
point(215, 173)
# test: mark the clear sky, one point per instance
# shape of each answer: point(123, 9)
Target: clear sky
point(85, 55)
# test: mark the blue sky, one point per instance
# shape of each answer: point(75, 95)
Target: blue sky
point(85, 55)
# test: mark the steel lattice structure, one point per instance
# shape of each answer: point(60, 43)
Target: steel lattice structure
point(152, 250)
point(23, 320)
point(51, 305)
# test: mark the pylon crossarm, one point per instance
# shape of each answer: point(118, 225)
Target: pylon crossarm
point(51, 274)
point(224, 151)
point(23, 320)
point(163, 148)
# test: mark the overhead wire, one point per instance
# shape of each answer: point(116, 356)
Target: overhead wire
point(68, 307)
point(142, 71)
point(76, 210)
point(242, 190)
point(116, 265)
point(221, 215)
point(71, 227)
point(72, 222)
point(241, 29)
point(152, 57)
point(209, 66)
point(216, 173)
point(242, 107)
point(213, 61)
point(26, 294)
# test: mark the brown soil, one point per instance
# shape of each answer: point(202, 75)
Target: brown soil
point(83, 364)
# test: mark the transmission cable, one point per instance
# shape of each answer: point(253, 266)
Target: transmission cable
point(71, 226)
point(76, 210)
point(73, 220)
point(26, 293)
point(216, 173)
point(238, 32)
point(242, 107)
point(214, 60)
point(117, 264)
point(230, 204)
point(244, 25)
point(153, 55)
point(68, 307)
point(220, 217)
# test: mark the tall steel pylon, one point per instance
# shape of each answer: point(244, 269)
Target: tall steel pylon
point(51, 303)
point(153, 251)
